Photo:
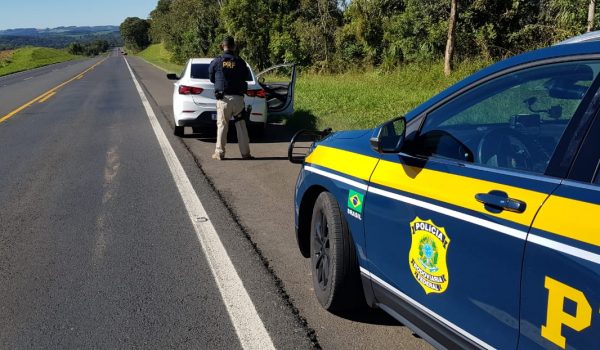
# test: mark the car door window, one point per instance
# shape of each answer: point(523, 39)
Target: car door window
point(514, 121)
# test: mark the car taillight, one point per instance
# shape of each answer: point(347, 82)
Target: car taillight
point(190, 90)
point(256, 93)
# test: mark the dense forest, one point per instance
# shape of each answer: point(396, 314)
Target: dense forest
point(338, 35)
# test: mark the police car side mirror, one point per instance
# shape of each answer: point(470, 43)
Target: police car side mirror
point(172, 76)
point(389, 137)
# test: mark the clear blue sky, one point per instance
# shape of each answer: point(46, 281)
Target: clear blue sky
point(56, 13)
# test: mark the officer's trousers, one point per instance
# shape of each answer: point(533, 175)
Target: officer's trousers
point(229, 106)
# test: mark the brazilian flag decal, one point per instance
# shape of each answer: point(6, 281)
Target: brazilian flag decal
point(355, 201)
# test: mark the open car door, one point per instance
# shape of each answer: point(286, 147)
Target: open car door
point(279, 83)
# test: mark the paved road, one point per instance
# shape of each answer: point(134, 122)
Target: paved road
point(97, 249)
point(260, 195)
point(97, 245)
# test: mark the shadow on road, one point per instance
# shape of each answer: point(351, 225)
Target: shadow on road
point(279, 130)
point(258, 158)
point(301, 119)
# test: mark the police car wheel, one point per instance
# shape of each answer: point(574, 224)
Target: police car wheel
point(336, 279)
point(179, 131)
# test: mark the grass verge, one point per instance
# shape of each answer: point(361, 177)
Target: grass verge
point(356, 100)
point(31, 57)
point(159, 56)
point(365, 99)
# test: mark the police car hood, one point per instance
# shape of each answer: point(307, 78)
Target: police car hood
point(349, 134)
point(356, 141)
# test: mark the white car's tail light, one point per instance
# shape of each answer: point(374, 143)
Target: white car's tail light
point(256, 93)
point(190, 90)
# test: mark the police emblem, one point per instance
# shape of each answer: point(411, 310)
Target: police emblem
point(427, 255)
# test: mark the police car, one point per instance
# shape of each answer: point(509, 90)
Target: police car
point(194, 103)
point(474, 219)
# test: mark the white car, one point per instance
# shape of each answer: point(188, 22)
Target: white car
point(194, 102)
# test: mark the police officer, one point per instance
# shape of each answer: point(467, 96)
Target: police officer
point(229, 73)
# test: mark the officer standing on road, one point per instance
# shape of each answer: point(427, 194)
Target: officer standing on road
point(229, 72)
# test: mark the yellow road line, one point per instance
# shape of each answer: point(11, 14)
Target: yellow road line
point(50, 92)
point(47, 97)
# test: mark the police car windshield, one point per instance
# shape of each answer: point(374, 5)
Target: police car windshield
point(200, 71)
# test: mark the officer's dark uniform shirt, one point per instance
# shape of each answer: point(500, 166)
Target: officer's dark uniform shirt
point(229, 72)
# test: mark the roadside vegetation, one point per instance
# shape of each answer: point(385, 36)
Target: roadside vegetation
point(12, 61)
point(158, 55)
point(342, 35)
point(361, 61)
point(89, 48)
point(360, 100)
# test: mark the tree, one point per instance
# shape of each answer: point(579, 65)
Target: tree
point(591, 15)
point(450, 43)
point(193, 27)
point(134, 32)
point(249, 22)
point(337, 35)
point(75, 49)
point(315, 28)
point(161, 21)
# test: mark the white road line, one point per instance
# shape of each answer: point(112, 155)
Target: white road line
point(249, 327)
point(27, 78)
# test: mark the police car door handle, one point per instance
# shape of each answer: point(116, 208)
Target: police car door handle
point(498, 201)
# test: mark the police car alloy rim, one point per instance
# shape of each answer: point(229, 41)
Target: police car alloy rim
point(322, 250)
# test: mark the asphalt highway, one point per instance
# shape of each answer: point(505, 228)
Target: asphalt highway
point(115, 234)
point(97, 249)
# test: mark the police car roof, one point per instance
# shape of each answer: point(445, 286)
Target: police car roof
point(591, 36)
point(557, 51)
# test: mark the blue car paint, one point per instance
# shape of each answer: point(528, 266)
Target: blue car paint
point(583, 275)
point(483, 282)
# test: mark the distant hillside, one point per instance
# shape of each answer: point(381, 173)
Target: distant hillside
point(64, 31)
point(31, 57)
point(57, 37)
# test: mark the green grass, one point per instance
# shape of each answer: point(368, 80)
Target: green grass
point(32, 57)
point(355, 100)
point(158, 55)
point(366, 99)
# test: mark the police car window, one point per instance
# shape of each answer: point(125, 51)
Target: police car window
point(513, 122)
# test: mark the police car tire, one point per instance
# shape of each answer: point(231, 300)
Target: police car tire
point(179, 130)
point(343, 290)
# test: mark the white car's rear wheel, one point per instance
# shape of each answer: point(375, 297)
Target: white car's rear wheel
point(179, 131)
